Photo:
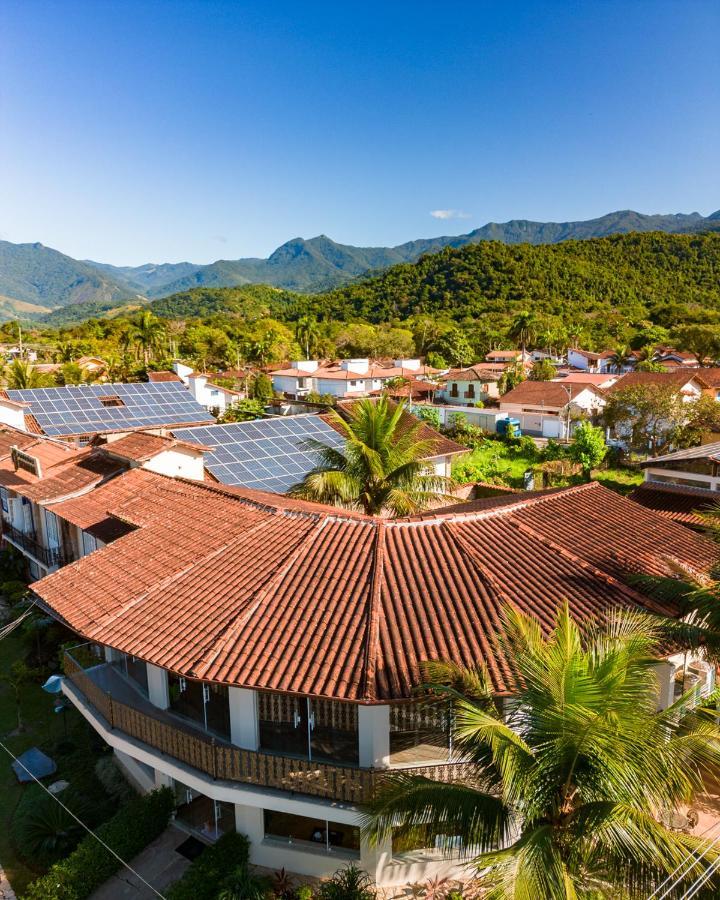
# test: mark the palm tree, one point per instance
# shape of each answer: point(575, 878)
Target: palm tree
point(20, 375)
point(619, 358)
point(572, 782)
point(148, 333)
point(307, 335)
point(523, 328)
point(382, 467)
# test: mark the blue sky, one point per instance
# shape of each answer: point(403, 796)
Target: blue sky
point(160, 131)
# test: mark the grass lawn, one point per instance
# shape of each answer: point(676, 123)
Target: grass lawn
point(501, 463)
point(495, 462)
point(621, 480)
point(43, 728)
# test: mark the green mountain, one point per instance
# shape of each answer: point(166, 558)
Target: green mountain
point(35, 279)
point(599, 284)
point(322, 264)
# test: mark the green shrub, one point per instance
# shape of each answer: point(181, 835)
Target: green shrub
point(42, 831)
point(128, 832)
point(208, 874)
point(244, 885)
point(349, 883)
point(428, 414)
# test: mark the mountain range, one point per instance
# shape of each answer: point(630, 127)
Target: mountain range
point(34, 279)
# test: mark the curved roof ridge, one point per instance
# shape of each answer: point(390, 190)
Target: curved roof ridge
point(515, 501)
point(372, 629)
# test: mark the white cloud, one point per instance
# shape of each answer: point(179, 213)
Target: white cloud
point(450, 214)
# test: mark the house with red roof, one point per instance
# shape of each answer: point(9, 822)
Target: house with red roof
point(263, 658)
point(552, 408)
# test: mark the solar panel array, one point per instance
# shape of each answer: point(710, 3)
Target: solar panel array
point(267, 454)
point(77, 409)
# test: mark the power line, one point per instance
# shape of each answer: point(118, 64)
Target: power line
point(704, 878)
point(685, 865)
point(11, 626)
point(80, 822)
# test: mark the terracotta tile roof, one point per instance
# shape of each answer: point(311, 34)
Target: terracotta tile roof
point(550, 394)
point(598, 379)
point(140, 446)
point(296, 597)
point(32, 425)
point(156, 377)
point(78, 476)
point(710, 375)
point(677, 502)
point(11, 437)
point(478, 372)
point(676, 378)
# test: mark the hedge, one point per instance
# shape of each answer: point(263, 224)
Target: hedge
point(204, 876)
point(129, 831)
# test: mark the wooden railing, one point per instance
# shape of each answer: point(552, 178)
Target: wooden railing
point(226, 762)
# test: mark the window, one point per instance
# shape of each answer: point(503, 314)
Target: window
point(419, 732)
point(454, 390)
point(313, 834)
point(52, 535)
point(89, 543)
point(111, 400)
point(205, 703)
point(311, 729)
point(4, 500)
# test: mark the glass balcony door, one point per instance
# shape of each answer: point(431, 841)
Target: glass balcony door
point(204, 703)
point(320, 730)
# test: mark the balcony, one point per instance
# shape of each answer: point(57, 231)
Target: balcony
point(126, 711)
point(49, 557)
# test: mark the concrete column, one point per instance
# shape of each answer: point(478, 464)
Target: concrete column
point(158, 692)
point(249, 821)
point(375, 858)
point(666, 684)
point(374, 736)
point(244, 730)
point(162, 780)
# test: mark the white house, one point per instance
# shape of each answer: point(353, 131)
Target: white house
point(465, 387)
point(347, 378)
point(550, 408)
point(214, 397)
point(588, 361)
point(266, 668)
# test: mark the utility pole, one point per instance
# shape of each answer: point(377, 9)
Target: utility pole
point(20, 340)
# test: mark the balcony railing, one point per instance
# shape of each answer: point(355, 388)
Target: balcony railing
point(226, 762)
point(47, 556)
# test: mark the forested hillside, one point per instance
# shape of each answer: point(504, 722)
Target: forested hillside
point(628, 290)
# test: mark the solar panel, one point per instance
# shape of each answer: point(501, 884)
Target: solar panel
point(79, 409)
point(267, 454)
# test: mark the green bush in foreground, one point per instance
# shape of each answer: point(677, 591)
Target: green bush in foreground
point(205, 876)
point(128, 832)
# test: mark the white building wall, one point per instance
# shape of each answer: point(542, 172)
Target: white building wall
point(178, 463)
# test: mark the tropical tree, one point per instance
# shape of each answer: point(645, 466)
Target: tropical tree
point(523, 328)
point(382, 467)
point(618, 358)
point(307, 334)
point(572, 782)
point(588, 447)
point(243, 411)
point(21, 375)
point(148, 334)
